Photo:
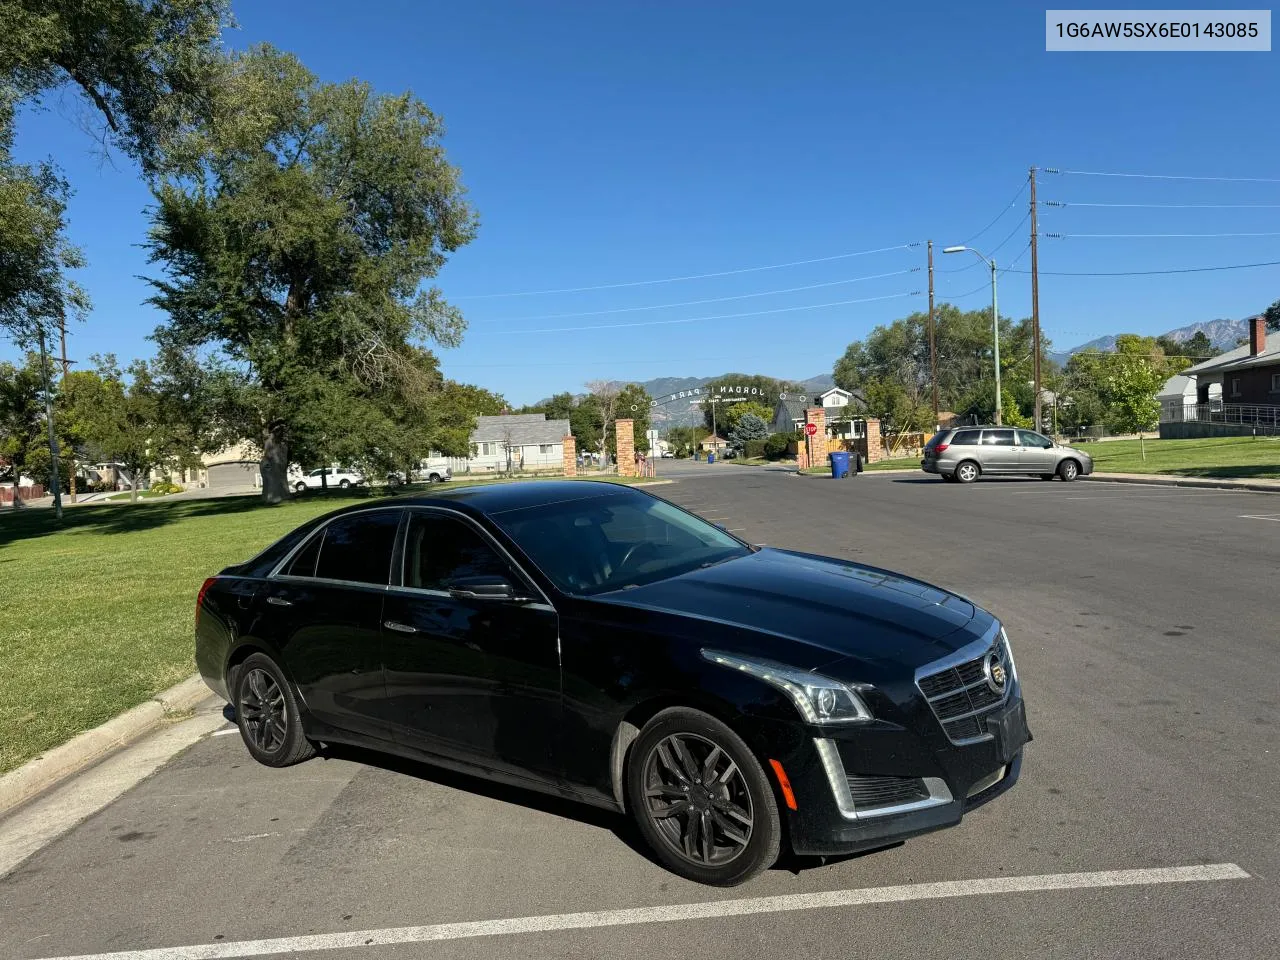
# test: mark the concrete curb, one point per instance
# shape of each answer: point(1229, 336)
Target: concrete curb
point(54, 766)
point(1205, 482)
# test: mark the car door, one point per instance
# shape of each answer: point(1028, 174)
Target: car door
point(323, 610)
point(1036, 452)
point(470, 678)
point(998, 450)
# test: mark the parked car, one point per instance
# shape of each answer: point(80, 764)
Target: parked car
point(594, 641)
point(429, 471)
point(667, 455)
point(963, 454)
point(341, 477)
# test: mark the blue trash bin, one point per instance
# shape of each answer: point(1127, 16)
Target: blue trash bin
point(839, 464)
point(711, 458)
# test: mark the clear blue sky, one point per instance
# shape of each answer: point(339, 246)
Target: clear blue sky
point(605, 143)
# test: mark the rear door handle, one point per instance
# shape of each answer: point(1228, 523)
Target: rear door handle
point(279, 602)
point(399, 627)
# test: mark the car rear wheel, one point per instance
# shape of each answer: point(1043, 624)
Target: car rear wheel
point(701, 799)
point(300, 487)
point(343, 484)
point(967, 472)
point(1068, 470)
point(436, 478)
point(267, 714)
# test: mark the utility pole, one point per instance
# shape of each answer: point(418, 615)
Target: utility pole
point(55, 483)
point(66, 366)
point(1035, 302)
point(933, 342)
point(995, 339)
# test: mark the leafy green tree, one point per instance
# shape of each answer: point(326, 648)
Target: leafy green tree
point(685, 440)
point(586, 423)
point(1272, 315)
point(1125, 383)
point(762, 394)
point(296, 240)
point(22, 423)
point(1198, 346)
point(633, 403)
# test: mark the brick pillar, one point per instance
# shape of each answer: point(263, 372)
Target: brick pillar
point(570, 456)
point(816, 446)
point(875, 449)
point(624, 431)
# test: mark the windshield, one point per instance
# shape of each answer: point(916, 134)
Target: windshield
point(600, 544)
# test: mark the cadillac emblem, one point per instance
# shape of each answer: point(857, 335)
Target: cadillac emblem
point(995, 673)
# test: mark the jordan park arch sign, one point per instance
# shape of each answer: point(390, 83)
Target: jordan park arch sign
point(720, 393)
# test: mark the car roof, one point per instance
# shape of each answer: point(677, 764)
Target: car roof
point(502, 496)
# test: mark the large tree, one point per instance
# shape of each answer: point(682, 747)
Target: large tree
point(21, 421)
point(633, 403)
point(760, 394)
point(297, 244)
point(1121, 387)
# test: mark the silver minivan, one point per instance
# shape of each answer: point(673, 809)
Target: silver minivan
point(963, 454)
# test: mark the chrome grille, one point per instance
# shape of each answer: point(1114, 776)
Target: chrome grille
point(960, 696)
point(872, 792)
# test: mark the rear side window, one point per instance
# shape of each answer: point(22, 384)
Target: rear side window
point(997, 438)
point(965, 438)
point(358, 547)
point(935, 440)
point(304, 564)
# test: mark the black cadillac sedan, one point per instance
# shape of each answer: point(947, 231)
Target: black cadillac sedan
point(597, 642)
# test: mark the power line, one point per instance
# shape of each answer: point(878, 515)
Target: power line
point(1165, 206)
point(1000, 215)
point(993, 250)
point(697, 276)
point(1159, 176)
point(610, 362)
point(691, 303)
point(1151, 273)
point(1153, 236)
point(722, 316)
point(999, 270)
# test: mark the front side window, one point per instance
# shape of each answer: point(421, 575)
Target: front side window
point(997, 438)
point(965, 438)
point(440, 550)
point(358, 547)
point(598, 544)
point(1030, 439)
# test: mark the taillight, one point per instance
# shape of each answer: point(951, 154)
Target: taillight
point(941, 447)
point(204, 588)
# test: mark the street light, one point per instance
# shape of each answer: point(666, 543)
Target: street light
point(995, 316)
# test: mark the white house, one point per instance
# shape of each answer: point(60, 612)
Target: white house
point(835, 397)
point(525, 441)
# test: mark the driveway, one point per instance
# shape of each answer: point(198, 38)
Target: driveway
point(1144, 826)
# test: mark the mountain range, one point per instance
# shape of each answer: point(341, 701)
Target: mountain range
point(1223, 334)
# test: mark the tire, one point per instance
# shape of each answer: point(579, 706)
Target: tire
point(740, 806)
point(263, 692)
point(967, 471)
point(1068, 470)
point(300, 487)
point(436, 478)
point(343, 484)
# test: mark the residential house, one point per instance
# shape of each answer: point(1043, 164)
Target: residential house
point(1178, 398)
point(845, 412)
point(1237, 392)
point(520, 441)
point(714, 444)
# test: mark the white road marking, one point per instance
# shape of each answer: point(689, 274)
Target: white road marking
point(1163, 496)
point(677, 912)
point(1246, 516)
point(225, 733)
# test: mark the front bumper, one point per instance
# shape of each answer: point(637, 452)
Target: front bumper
point(828, 821)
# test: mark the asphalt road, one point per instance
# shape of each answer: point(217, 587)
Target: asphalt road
point(1143, 620)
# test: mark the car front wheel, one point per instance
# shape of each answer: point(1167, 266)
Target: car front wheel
point(300, 487)
point(343, 484)
point(1068, 470)
point(967, 472)
point(267, 714)
point(701, 799)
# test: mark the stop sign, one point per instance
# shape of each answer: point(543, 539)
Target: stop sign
point(810, 429)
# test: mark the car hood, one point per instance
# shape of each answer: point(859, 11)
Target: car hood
point(848, 609)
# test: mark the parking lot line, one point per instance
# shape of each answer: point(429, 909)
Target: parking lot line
point(676, 912)
point(1254, 516)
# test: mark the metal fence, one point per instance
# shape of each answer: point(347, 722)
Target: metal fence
point(1264, 418)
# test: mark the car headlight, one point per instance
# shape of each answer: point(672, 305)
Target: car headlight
point(819, 699)
point(1008, 649)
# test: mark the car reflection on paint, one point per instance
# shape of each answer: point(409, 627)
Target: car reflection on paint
point(593, 641)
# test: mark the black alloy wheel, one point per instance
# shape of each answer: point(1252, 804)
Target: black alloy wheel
point(267, 714)
point(701, 799)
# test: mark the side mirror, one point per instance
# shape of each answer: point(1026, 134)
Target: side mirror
point(494, 589)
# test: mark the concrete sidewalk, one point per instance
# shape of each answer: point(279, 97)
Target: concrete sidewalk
point(1220, 483)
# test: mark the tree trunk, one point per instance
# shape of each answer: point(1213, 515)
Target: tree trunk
point(274, 464)
point(133, 483)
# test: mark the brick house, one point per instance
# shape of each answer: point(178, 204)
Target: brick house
point(1238, 391)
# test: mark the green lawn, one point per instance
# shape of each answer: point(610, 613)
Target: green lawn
point(96, 616)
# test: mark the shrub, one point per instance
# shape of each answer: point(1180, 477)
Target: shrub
point(754, 448)
point(775, 445)
point(164, 487)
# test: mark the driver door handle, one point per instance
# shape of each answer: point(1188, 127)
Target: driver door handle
point(399, 627)
point(279, 602)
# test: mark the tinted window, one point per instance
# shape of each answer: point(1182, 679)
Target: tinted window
point(358, 547)
point(998, 438)
point(935, 440)
point(965, 438)
point(1030, 439)
point(304, 564)
point(598, 544)
point(440, 550)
